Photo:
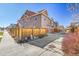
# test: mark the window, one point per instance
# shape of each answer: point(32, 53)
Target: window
point(35, 18)
point(44, 19)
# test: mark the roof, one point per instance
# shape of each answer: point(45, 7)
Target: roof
point(29, 14)
point(44, 11)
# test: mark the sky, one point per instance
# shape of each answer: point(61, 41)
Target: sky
point(10, 13)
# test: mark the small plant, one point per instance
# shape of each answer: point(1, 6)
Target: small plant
point(41, 36)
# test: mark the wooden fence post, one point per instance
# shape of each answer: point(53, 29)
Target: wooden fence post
point(32, 33)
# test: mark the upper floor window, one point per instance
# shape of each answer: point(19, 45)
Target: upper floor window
point(44, 19)
point(35, 18)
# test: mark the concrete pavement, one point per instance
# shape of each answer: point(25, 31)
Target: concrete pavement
point(8, 47)
point(55, 46)
point(7, 40)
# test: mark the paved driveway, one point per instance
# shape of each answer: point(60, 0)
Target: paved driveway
point(46, 40)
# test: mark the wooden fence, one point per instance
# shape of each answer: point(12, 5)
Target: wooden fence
point(21, 33)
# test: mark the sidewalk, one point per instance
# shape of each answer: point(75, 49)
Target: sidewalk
point(9, 47)
point(55, 46)
point(7, 40)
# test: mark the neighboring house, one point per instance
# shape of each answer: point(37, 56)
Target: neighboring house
point(0, 28)
point(36, 20)
point(10, 26)
point(61, 27)
point(75, 20)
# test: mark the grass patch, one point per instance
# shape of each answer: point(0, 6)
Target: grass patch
point(1, 33)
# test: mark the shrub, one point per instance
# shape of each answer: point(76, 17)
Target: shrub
point(41, 36)
point(70, 44)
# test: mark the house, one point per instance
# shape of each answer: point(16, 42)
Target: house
point(74, 25)
point(36, 20)
point(1, 29)
point(61, 27)
point(10, 26)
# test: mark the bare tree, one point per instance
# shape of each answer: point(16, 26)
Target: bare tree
point(74, 9)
